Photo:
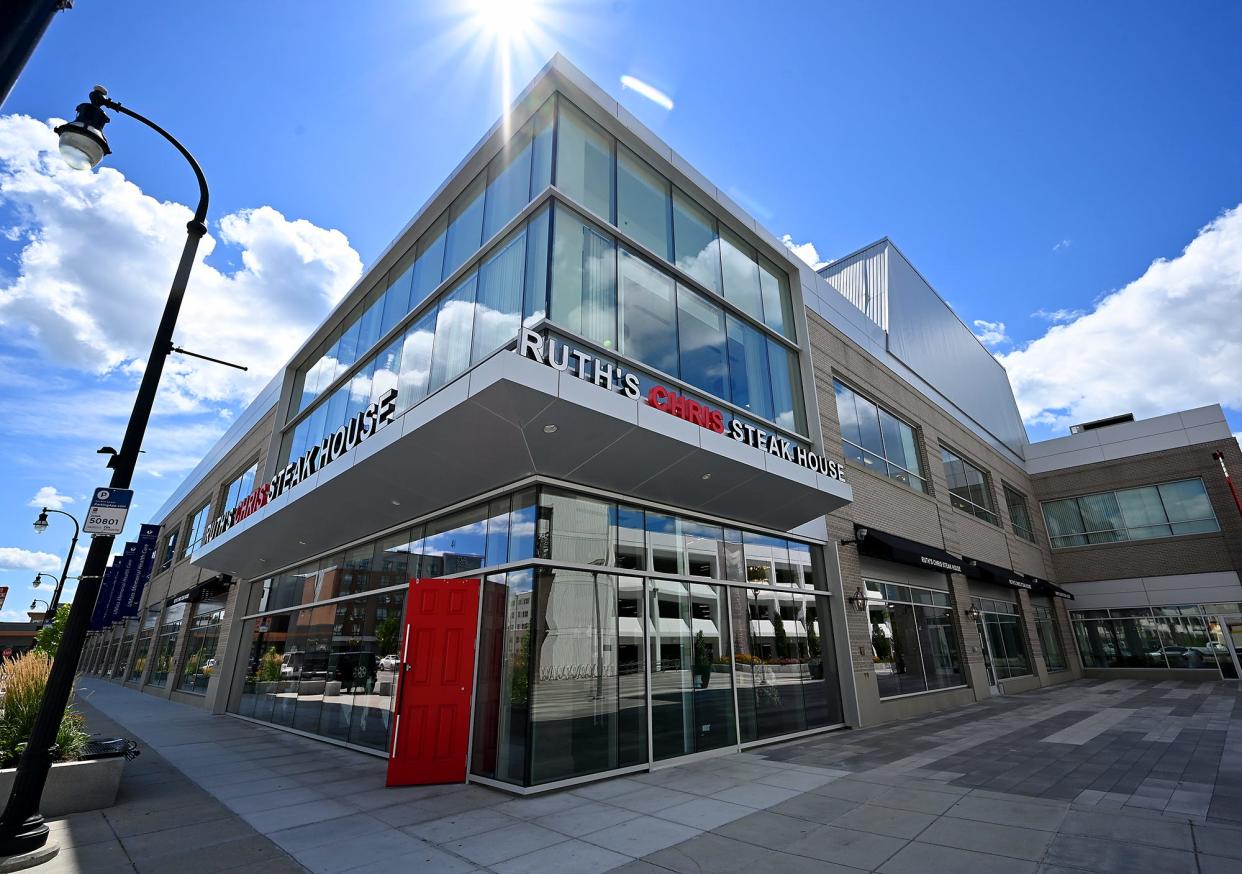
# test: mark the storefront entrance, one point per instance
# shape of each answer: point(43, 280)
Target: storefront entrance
point(431, 736)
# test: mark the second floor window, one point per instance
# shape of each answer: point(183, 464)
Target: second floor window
point(1019, 513)
point(969, 489)
point(195, 529)
point(239, 488)
point(170, 550)
point(874, 436)
point(1164, 510)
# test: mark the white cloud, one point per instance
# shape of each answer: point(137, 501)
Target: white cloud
point(805, 251)
point(1168, 340)
point(50, 498)
point(98, 256)
point(1061, 245)
point(13, 558)
point(1059, 315)
point(990, 333)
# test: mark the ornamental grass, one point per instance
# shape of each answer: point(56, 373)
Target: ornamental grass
point(23, 679)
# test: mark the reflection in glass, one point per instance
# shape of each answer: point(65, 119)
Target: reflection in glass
point(702, 343)
point(584, 161)
point(648, 313)
point(643, 203)
point(1049, 638)
point(199, 664)
point(696, 247)
point(749, 380)
point(691, 688)
point(164, 646)
point(741, 274)
point(584, 279)
point(465, 230)
point(588, 689)
point(502, 697)
point(499, 308)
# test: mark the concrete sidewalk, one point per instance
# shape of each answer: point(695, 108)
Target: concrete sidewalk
point(903, 799)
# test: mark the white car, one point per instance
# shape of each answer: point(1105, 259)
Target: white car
point(389, 663)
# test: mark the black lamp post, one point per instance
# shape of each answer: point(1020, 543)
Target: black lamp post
point(40, 525)
point(82, 143)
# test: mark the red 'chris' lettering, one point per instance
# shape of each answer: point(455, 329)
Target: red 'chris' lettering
point(686, 408)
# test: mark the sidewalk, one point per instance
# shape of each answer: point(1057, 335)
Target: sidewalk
point(909, 798)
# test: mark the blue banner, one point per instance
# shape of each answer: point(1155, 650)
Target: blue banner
point(144, 560)
point(124, 577)
point(105, 596)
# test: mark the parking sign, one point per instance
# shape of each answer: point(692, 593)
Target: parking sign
point(108, 510)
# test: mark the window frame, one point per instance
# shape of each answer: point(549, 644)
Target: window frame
point(915, 431)
point(1125, 531)
point(1027, 533)
point(990, 514)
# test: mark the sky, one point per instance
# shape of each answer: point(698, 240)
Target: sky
point(1066, 175)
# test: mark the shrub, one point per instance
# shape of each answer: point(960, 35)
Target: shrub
point(269, 666)
point(24, 678)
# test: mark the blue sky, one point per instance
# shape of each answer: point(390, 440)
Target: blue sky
point(1033, 162)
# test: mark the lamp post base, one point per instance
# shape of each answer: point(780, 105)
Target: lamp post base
point(35, 857)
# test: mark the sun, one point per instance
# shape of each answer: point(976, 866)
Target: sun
point(507, 21)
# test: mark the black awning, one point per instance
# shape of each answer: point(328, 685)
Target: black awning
point(209, 588)
point(1052, 590)
point(890, 547)
point(997, 575)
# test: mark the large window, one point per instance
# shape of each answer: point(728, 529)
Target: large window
point(598, 289)
point(1001, 627)
point(1150, 637)
point(1050, 638)
point(199, 663)
point(521, 170)
point(1164, 510)
point(241, 486)
point(164, 647)
point(195, 527)
point(564, 653)
point(169, 552)
point(1019, 513)
point(969, 488)
point(879, 440)
point(913, 642)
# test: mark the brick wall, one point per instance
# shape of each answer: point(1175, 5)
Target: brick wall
point(1195, 553)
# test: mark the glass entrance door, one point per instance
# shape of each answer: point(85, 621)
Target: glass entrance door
point(691, 682)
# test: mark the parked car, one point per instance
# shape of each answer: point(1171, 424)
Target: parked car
point(389, 662)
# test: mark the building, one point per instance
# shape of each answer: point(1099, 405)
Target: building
point(597, 476)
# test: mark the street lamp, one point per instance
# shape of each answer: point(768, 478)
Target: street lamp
point(22, 829)
point(36, 602)
point(40, 525)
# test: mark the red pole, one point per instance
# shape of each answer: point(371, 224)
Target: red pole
point(1220, 457)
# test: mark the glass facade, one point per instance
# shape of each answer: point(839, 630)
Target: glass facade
point(1150, 637)
point(651, 617)
point(969, 488)
point(731, 339)
point(913, 642)
point(241, 486)
point(169, 551)
point(1164, 510)
point(1050, 638)
point(164, 647)
point(199, 662)
point(1001, 627)
point(874, 437)
point(195, 527)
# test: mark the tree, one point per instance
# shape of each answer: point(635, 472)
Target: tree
point(48, 638)
point(779, 637)
point(386, 634)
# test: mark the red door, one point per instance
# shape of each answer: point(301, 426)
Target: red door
point(432, 732)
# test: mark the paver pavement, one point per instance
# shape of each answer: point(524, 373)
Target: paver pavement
point(1039, 782)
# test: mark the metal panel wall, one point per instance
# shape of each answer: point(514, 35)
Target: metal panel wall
point(862, 279)
point(928, 336)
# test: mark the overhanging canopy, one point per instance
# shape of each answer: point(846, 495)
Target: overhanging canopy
point(890, 547)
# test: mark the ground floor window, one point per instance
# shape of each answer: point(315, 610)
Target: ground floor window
point(574, 666)
point(1149, 637)
point(328, 669)
point(164, 647)
point(142, 649)
point(1050, 638)
point(127, 645)
point(200, 647)
point(1000, 627)
point(913, 642)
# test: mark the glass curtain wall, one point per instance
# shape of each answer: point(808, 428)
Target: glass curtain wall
point(913, 641)
point(164, 647)
point(565, 654)
point(879, 440)
point(127, 641)
point(199, 663)
point(1149, 637)
point(1050, 638)
point(726, 342)
point(1005, 638)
